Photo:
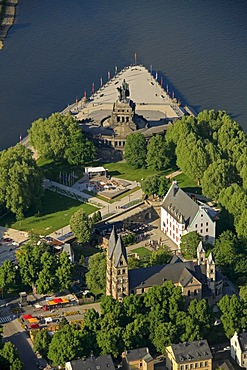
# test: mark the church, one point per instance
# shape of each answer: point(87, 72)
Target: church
point(198, 279)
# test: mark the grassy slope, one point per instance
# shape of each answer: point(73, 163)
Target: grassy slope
point(54, 213)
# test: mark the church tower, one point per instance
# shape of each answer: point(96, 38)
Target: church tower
point(111, 246)
point(201, 254)
point(211, 272)
point(117, 275)
point(120, 275)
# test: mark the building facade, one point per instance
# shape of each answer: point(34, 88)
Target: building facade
point(137, 359)
point(239, 349)
point(187, 356)
point(180, 215)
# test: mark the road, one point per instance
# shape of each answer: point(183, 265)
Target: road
point(14, 333)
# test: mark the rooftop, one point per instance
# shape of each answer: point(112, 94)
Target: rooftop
point(138, 354)
point(93, 363)
point(192, 351)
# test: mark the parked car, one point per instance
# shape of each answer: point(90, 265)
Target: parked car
point(7, 240)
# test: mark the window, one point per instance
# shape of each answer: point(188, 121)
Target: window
point(195, 292)
point(118, 272)
point(211, 271)
point(206, 363)
point(123, 272)
point(212, 279)
point(206, 223)
point(195, 225)
point(142, 290)
point(202, 215)
point(121, 263)
point(186, 367)
point(140, 364)
point(196, 365)
point(191, 366)
point(206, 230)
point(201, 231)
point(176, 230)
point(181, 367)
point(201, 225)
point(201, 364)
point(188, 293)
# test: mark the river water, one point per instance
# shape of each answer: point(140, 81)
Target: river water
point(58, 48)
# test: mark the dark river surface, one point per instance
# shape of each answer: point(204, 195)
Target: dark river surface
point(58, 48)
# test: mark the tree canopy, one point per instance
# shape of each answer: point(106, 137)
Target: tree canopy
point(60, 137)
point(135, 150)
point(155, 184)
point(20, 180)
point(189, 244)
point(158, 153)
point(96, 276)
point(81, 225)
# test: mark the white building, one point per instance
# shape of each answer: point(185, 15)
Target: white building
point(180, 215)
point(239, 349)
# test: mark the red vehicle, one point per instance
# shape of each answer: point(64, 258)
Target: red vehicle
point(45, 308)
point(34, 326)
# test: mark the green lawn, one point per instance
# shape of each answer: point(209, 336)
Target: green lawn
point(54, 213)
point(56, 170)
point(124, 171)
point(187, 184)
point(142, 252)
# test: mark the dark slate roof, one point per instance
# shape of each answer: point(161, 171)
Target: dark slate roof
point(93, 363)
point(112, 242)
point(157, 275)
point(176, 259)
point(192, 351)
point(119, 251)
point(186, 277)
point(179, 205)
point(242, 337)
point(138, 354)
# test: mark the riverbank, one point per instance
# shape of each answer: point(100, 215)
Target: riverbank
point(7, 18)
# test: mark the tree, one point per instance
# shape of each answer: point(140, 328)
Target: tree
point(65, 345)
point(46, 281)
point(217, 176)
point(155, 184)
point(20, 180)
point(189, 244)
point(201, 315)
point(225, 250)
point(64, 271)
point(42, 340)
point(161, 256)
point(187, 329)
point(164, 336)
point(7, 275)
point(10, 355)
point(96, 276)
point(232, 317)
point(192, 157)
point(158, 156)
point(135, 150)
point(136, 333)
point(60, 137)
point(109, 337)
point(81, 226)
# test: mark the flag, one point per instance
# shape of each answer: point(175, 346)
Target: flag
point(101, 81)
point(156, 75)
point(85, 93)
point(115, 70)
point(92, 88)
point(161, 81)
point(76, 100)
point(167, 89)
point(151, 69)
point(20, 138)
point(109, 75)
point(135, 57)
point(173, 95)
